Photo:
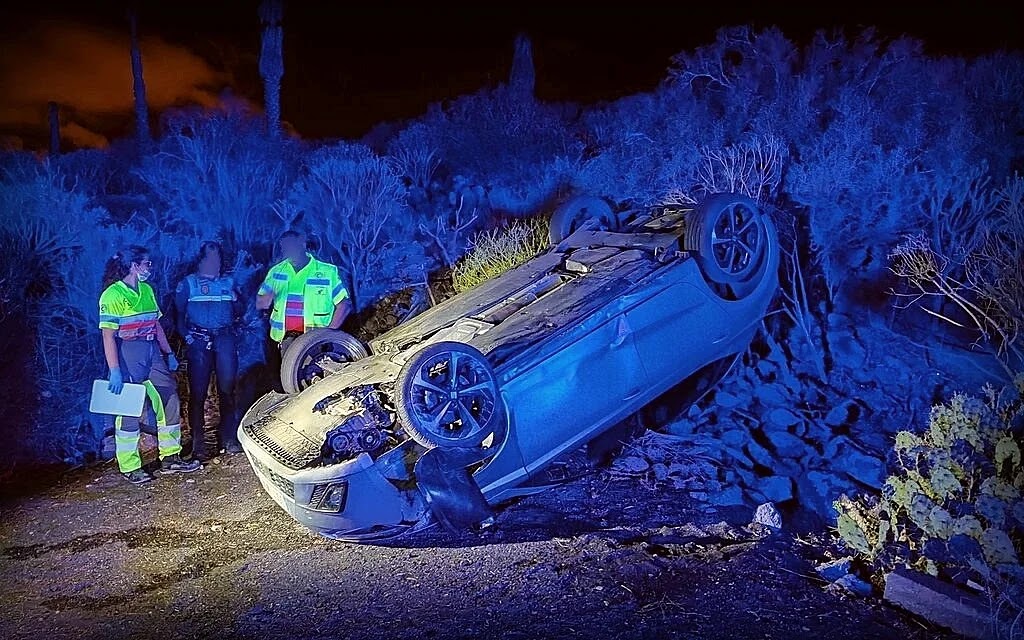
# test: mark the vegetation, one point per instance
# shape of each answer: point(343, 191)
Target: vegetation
point(864, 142)
point(954, 504)
point(494, 252)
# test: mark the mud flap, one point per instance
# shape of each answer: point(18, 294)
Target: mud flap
point(444, 480)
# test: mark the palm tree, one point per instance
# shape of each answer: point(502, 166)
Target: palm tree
point(271, 62)
point(139, 86)
point(522, 78)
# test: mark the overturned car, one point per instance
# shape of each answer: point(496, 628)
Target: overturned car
point(466, 405)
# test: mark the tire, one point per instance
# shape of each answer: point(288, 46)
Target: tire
point(300, 362)
point(730, 236)
point(425, 392)
point(571, 215)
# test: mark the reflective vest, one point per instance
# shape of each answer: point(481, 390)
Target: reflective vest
point(310, 293)
point(131, 314)
point(209, 300)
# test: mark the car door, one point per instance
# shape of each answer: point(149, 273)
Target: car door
point(678, 328)
point(575, 391)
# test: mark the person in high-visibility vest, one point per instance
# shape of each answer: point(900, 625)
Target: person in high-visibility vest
point(206, 303)
point(303, 292)
point(134, 345)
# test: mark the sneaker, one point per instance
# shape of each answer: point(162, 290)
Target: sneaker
point(139, 476)
point(175, 464)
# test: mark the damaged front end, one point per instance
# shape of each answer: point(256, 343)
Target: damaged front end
point(337, 458)
point(333, 457)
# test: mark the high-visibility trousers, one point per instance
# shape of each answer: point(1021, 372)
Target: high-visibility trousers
point(142, 363)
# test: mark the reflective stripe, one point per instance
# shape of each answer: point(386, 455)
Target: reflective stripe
point(338, 289)
point(220, 298)
point(319, 282)
point(168, 439)
point(126, 447)
point(280, 276)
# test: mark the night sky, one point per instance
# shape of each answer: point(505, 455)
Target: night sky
point(348, 68)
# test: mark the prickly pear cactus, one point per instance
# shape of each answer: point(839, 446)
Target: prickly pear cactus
point(963, 476)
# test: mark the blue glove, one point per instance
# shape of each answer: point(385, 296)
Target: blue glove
point(172, 362)
point(116, 381)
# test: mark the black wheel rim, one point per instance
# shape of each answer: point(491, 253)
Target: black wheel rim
point(453, 396)
point(314, 359)
point(736, 239)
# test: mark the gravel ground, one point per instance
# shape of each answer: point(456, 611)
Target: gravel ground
point(209, 555)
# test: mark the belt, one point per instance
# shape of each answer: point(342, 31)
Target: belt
point(209, 333)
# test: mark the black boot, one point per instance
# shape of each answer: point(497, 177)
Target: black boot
point(200, 450)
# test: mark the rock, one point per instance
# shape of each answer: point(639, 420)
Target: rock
point(631, 464)
point(770, 395)
point(776, 488)
point(107, 450)
point(739, 457)
point(842, 414)
point(786, 444)
point(766, 369)
point(735, 437)
point(940, 602)
point(817, 490)
point(854, 585)
point(747, 478)
point(862, 468)
point(835, 569)
point(783, 418)
point(760, 455)
point(846, 350)
point(767, 515)
point(728, 497)
point(728, 400)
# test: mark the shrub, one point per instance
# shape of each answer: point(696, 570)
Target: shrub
point(499, 250)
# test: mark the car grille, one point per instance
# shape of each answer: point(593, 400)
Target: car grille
point(276, 479)
point(286, 445)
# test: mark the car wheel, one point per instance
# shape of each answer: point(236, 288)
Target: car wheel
point(571, 215)
point(729, 234)
point(448, 397)
point(309, 357)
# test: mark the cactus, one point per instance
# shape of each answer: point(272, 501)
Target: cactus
point(963, 476)
point(997, 547)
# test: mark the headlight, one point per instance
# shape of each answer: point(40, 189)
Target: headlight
point(329, 497)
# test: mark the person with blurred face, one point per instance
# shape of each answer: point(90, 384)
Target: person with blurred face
point(134, 345)
point(207, 304)
point(302, 292)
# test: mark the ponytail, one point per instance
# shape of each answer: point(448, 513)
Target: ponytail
point(119, 265)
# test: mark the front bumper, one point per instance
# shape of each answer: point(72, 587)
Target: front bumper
point(372, 507)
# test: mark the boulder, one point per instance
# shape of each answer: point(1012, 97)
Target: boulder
point(854, 585)
point(835, 569)
point(760, 455)
point(727, 497)
point(767, 515)
point(728, 400)
point(776, 488)
point(770, 395)
point(782, 418)
point(736, 437)
point(842, 414)
point(786, 444)
point(862, 467)
point(817, 490)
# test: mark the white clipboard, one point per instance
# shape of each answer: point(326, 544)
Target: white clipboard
point(127, 403)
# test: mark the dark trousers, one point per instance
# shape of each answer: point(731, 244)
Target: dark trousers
point(222, 358)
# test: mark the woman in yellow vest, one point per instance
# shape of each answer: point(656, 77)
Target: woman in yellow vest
point(134, 345)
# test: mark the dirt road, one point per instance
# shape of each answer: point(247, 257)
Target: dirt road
point(210, 556)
